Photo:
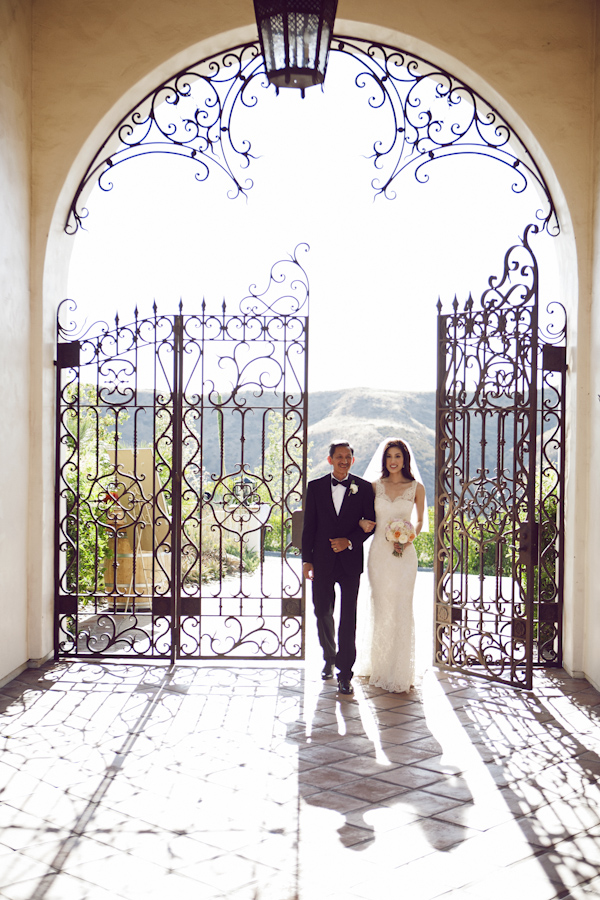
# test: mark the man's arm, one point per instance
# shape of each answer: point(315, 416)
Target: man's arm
point(309, 530)
point(358, 535)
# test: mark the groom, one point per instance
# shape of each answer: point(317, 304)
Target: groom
point(332, 553)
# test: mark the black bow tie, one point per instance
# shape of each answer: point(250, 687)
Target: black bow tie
point(343, 483)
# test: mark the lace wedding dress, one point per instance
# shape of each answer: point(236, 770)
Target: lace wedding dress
point(386, 630)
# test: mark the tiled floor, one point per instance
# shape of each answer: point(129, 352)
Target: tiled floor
point(134, 781)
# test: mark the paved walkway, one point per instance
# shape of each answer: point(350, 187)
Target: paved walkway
point(137, 780)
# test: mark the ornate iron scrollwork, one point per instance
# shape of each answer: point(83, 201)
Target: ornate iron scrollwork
point(433, 115)
point(426, 114)
point(500, 485)
point(164, 508)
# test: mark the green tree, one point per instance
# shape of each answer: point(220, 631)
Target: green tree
point(280, 476)
point(87, 490)
point(424, 544)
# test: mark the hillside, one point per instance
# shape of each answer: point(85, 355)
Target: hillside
point(362, 416)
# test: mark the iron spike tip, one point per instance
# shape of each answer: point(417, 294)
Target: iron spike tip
point(439, 305)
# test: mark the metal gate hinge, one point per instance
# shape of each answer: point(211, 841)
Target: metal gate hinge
point(554, 359)
point(67, 354)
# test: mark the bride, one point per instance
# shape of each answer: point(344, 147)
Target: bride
point(387, 638)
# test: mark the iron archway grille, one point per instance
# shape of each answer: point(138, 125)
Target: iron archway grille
point(426, 114)
point(499, 477)
point(181, 456)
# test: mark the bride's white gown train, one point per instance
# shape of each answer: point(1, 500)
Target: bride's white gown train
point(386, 629)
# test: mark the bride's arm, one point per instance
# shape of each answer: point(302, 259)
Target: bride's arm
point(420, 504)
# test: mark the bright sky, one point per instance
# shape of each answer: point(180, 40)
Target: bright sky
point(375, 267)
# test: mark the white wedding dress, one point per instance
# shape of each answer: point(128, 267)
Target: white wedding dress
point(386, 630)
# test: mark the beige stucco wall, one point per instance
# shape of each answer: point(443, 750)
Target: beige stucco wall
point(91, 60)
point(591, 632)
point(15, 112)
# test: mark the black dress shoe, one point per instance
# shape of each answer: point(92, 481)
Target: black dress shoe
point(327, 671)
point(345, 686)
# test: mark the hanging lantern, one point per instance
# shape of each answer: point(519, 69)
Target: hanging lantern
point(295, 36)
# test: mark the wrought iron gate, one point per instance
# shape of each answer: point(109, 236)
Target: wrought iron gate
point(499, 478)
point(180, 458)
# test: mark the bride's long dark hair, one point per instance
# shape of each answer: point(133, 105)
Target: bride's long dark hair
point(405, 459)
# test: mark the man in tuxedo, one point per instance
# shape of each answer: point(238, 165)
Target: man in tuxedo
point(332, 553)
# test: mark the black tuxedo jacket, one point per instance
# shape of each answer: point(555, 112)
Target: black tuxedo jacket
point(321, 523)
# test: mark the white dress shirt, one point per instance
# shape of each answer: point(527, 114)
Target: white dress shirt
point(338, 492)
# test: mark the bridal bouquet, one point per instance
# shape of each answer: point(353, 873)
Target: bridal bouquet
point(400, 532)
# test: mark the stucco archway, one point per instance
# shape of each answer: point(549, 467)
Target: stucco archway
point(58, 246)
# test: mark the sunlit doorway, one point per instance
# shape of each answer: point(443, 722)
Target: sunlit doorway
point(386, 241)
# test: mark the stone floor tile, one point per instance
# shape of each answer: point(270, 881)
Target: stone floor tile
point(479, 816)
point(229, 873)
point(354, 836)
point(397, 702)
point(534, 878)
point(16, 867)
point(443, 835)
point(520, 798)
point(327, 777)
point(565, 818)
point(364, 765)
point(225, 840)
point(307, 790)
point(392, 849)
point(326, 870)
point(336, 801)
point(231, 763)
point(348, 726)
point(171, 850)
point(117, 871)
point(406, 754)
point(423, 804)
point(279, 887)
point(14, 783)
point(52, 805)
point(408, 777)
point(177, 886)
point(354, 744)
point(440, 764)
point(318, 755)
point(59, 886)
point(568, 864)
point(371, 790)
point(19, 829)
point(70, 850)
point(394, 718)
point(496, 847)
point(279, 851)
point(402, 734)
point(586, 890)
point(379, 818)
point(436, 874)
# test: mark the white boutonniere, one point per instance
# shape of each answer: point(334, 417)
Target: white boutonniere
point(353, 488)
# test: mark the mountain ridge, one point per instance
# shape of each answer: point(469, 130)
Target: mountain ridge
point(362, 416)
